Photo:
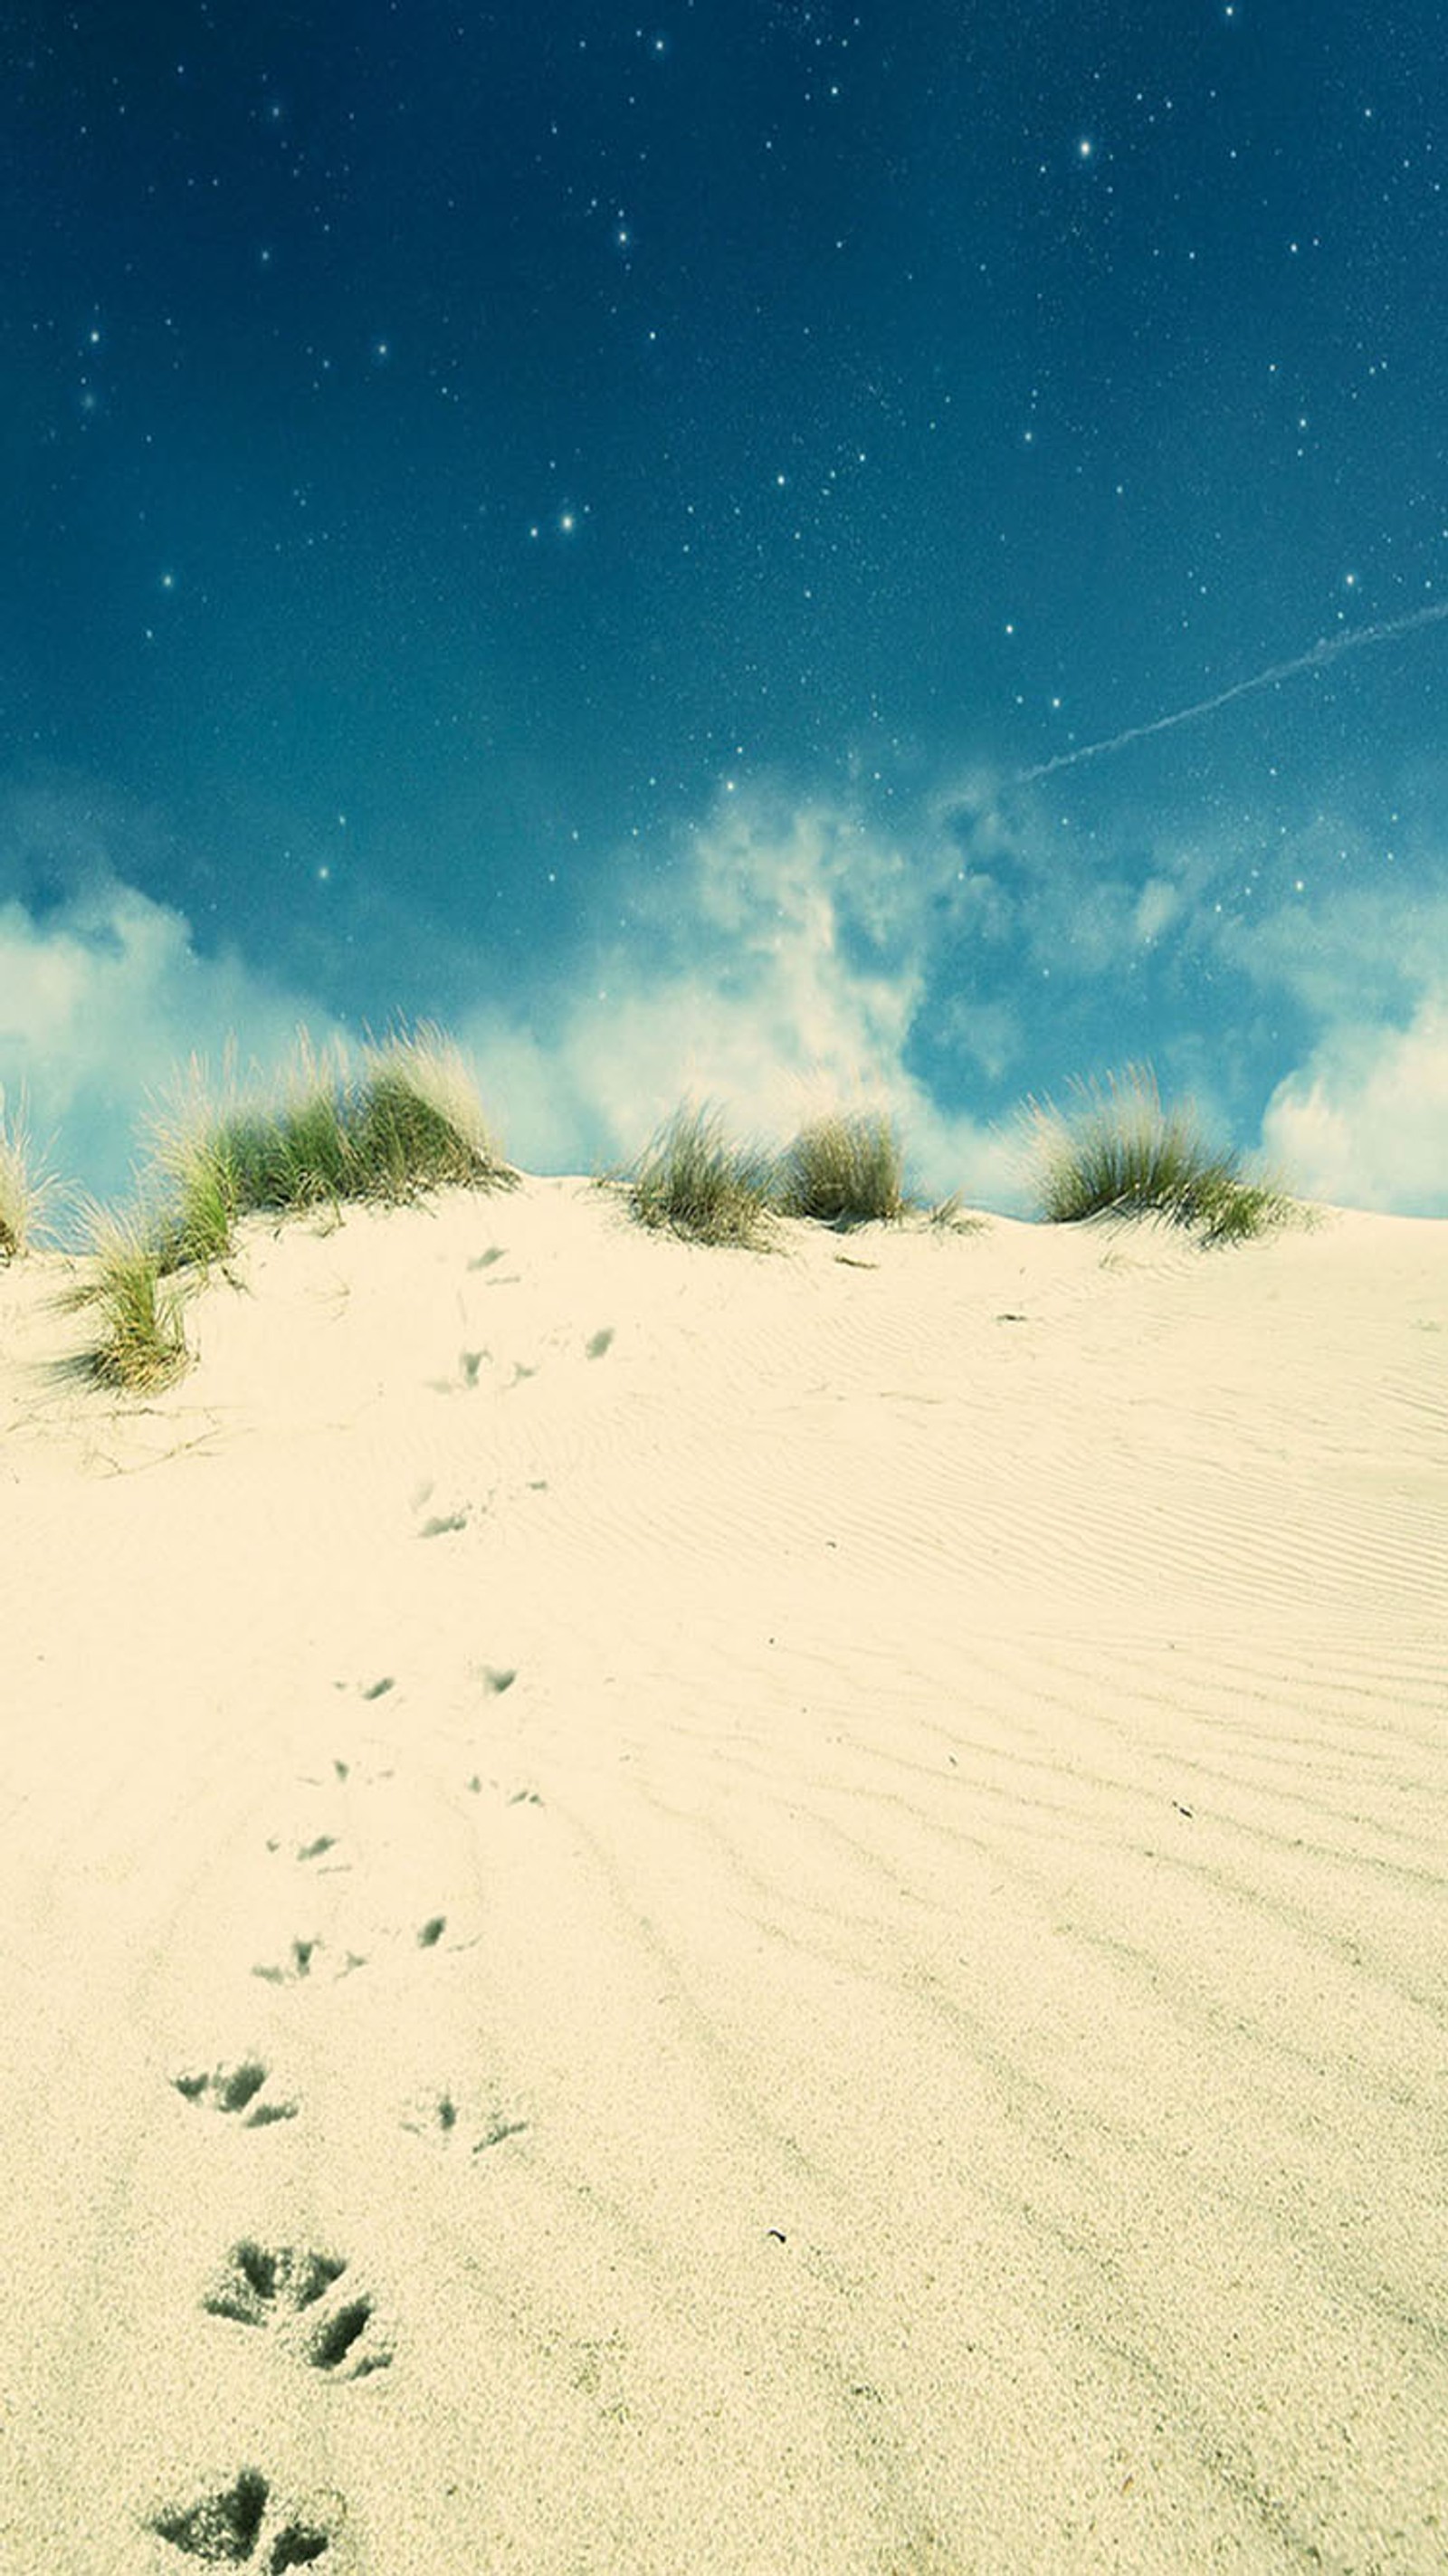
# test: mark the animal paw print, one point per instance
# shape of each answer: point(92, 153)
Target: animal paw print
point(231, 2529)
point(316, 1848)
point(469, 1363)
point(280, 2287)
point(438, 2117)
point(239, 2091)
point(301, 1963)
point(437, 1524)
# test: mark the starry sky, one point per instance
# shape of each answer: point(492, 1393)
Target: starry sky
point(780, 550)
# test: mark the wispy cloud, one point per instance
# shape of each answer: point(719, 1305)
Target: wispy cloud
point(785, 953)
point(779, 967)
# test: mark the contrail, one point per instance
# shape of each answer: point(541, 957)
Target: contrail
point(1327, 650)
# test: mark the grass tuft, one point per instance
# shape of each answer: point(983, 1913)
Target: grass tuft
point(25, 1188)
point(405, 1120)
point(330, 1133)
point(843, 1171)
point(1119, 1153)
point(417, 1122)
point(952, 1216)
point(691, 1181)
point(141, 1344)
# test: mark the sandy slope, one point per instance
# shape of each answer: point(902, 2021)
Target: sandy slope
point(675, 1910)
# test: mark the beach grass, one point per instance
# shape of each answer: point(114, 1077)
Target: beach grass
point(691, 1180)
point(952, 1216)
point(843, 1170)
point(404, 1116)
point(328, 1133)
point(141, 1343)
point(418, 1122)
point(1118, 1151)
point(26, 1188)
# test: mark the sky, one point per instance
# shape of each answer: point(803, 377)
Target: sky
point(791, 552)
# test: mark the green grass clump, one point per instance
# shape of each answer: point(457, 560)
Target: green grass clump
point(404, 1120)
point(407, 1120)
point(25, 1189)
point(417, 1122)
point(1119, 1153)
point(843, 1171)
point(141, 1344)
point(691, 1181)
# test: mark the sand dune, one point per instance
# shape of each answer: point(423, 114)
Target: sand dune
point(676, 1909)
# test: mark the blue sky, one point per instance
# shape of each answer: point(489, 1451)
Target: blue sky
point(615, 532)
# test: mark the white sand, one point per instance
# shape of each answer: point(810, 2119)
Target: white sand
point(908, 2035)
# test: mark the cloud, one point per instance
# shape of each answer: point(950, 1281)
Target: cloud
point(786, 954)
point(1157, 906)
point(778, 966)
point(778, 969)
point(1360, 1122)
point(1346, 952)
point(103, 994)
point(1363, 1124)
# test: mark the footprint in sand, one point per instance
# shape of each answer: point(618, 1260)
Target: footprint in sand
point(286, 2290)
point(440, 2118)
point(437, 1524)
point(238, 2527)
point(238, 2090)
point(302, 1962)
point(469, 1363)
point(316, 1848)
point(310, 1963)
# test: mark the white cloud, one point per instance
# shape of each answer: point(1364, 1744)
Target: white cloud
point(1365, 1122)
point(786, 956)
point(101, 999)
point(778, 971)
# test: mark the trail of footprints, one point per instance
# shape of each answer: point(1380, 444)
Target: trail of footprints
point(438, 1518)
point(305, 2298)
